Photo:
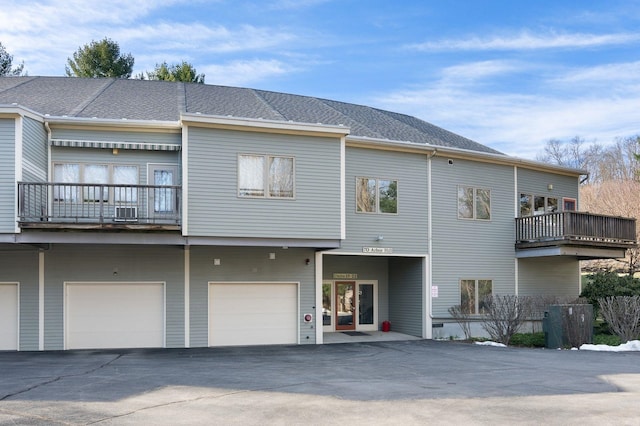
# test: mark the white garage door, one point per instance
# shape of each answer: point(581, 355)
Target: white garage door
point(253, 314)
point(8, 317)
point(114, 315)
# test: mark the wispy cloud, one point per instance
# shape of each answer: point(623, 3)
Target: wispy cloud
point(519, 123)
point(245, 72)
point(527, 40)
point(295, 4)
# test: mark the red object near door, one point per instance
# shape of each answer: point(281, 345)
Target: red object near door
point(386, 326)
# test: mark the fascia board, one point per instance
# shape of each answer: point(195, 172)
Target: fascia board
point(266, 126)
point(466, 154)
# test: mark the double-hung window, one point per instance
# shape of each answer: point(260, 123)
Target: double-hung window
point(268, 176)
point(473, 294)
point(474, 203)
point(376, 195)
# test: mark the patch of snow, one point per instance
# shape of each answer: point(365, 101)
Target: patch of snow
point(489, 343)
point(630, 346)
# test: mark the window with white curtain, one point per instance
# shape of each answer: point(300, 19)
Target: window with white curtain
point(66, 173)
point(125, 175)
point(98, 174)
point(163, 197)
point(265, 176)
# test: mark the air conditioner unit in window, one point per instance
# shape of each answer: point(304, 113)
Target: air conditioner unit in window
point(126, 214)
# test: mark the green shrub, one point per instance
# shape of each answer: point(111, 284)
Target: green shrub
point(530, 340)
point(607, 284)
point(606, 339)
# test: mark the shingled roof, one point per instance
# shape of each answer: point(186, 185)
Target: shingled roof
point(165, 101)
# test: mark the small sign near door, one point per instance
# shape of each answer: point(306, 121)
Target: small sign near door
point(342, 276)
point(377, 250)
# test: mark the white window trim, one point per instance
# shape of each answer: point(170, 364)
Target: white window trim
point(476, 299)
point(378, 195)
point(474, 211)
point(266, 176)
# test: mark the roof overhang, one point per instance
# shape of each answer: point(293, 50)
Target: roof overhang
point(458, 153)
point(112, 124)
point(582, 253)
point(263, 126)
point(15, 110)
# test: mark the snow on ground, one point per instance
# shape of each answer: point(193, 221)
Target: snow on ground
point(489, 343)
point(632, 345)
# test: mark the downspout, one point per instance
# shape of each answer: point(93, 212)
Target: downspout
point(429, 332)
point(48, 129)
point(585, 179)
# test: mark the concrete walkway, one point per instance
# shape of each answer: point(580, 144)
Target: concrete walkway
point(401, 382)
point(365, 337)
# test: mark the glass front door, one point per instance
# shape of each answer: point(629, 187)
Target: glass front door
point(365, 304)
point(349, 305)
point(162, 201)
point(345, 306)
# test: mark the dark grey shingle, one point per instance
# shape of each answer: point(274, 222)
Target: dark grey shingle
point(165, 101)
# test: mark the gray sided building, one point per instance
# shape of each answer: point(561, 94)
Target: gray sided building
point(158, 214)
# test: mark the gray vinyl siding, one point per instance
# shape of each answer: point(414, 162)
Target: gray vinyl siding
point(366, 268)
point(405, 232)
point(139, 158)
point(536, 183)
point(549, 276)
point(471, 249)
point(216, 210)
point(21, 266)
point(406, 295)
point(244, 265)
point(7, 175)
point(34, 151)
point(96, 263)
point(167, 137)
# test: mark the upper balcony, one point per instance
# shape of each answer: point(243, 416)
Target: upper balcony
point(571, 233)
point(99, 206)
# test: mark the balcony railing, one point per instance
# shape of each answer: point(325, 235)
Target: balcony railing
point(64, 205)
point(576, 228)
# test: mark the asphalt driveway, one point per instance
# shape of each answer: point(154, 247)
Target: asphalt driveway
point(405, 382)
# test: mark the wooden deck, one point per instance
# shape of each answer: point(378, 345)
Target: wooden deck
point(575, 228)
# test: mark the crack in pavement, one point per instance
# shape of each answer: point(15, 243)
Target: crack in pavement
point(55, 379)
point(199, 398)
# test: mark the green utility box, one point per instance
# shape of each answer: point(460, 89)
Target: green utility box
point(567, 325)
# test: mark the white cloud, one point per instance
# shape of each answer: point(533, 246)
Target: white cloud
point(527, 40)
point(296, 4)
point(520, 123)
point(44, 40)
point(243, 73)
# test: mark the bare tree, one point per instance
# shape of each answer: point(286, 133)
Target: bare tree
point(462, 316)
point(622, 313)
point(615, 198)
point(505, 315)
point(613, 187)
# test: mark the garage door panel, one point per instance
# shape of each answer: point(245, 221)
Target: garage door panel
point(253, 314)
point(114, 315)
point(9, 317)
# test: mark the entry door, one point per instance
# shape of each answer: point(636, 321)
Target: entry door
point(162, 201)
point(345, 316)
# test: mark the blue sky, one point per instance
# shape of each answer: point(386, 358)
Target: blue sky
point(508, 74)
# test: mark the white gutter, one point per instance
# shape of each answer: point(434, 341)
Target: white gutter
point(108, 122)
point(364, 142)
point(262, 125)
